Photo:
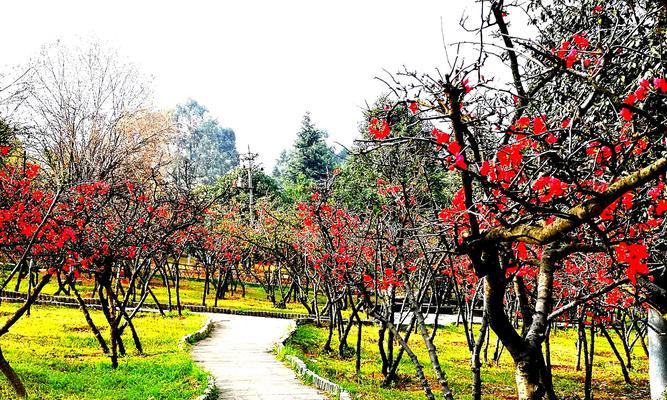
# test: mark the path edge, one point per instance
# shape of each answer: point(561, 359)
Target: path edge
point(302, 369)
point(211, 391)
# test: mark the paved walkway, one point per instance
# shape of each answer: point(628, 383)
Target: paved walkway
point(238, 354)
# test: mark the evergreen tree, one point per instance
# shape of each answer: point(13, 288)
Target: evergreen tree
point(310, 159)
point(204, 148)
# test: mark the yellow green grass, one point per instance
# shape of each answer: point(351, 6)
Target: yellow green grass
point(191, 291)
point(56, 355)
point(608, 383)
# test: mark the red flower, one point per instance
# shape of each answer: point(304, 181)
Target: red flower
point(460, 162)
point(379, 129)
point(571, 58)
point(454, 148)
point(563, 49)
point(466, 87)
point(660, 84)
point(522, 123)
point(626, 114)
point(551, 138)
point(4, 150)
point(633, 255)
point(522, 251)
point(485, 169)
point(581, 41)
point(626, 200)
point(511, 270)
point(661, 207)
point(642, 90)
point(31, 171)
point(641, 93)
point(539, 125)
point(510, 156)
point(630, 99)
point(413, 107)
point(549, 187)
point(440, 137)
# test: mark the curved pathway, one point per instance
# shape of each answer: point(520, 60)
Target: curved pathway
point(238, 355)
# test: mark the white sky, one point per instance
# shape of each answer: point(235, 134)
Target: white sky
point(256, 65)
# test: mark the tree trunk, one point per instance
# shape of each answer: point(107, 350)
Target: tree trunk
point(432, 352)
point(89, 320)
point(657, 347)
point(396, 362)
point(476, 364)
point(12, 377)
point(357, 364)
point(624, 370)
point(177, 286)
point(383, 355)
point(588, 382)
point(419, 368)
point(527, 374)
point(26, 306)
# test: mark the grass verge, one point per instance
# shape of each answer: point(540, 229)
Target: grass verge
point(191, 293)
point(56, 355)
point(307, 341)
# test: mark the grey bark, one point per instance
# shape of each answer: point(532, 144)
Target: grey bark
point(657, 347)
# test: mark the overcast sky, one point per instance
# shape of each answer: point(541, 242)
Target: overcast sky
point(256, 65)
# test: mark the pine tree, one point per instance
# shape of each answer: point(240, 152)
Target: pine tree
point(310, 158)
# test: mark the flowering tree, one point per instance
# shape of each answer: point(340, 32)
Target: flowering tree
point(566, 160)
point(30, 237)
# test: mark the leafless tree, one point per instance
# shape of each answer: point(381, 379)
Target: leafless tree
point(80, 101)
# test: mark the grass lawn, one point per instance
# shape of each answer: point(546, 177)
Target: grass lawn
point(498, 381)
point(191, 291)
point(57, 357)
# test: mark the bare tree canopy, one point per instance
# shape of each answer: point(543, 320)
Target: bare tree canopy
point(78, 101)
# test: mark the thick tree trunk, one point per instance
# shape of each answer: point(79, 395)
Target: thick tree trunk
point(527, 375)
point(342, 344)
point(657, 347)
point(332, 321)
point(532, 379)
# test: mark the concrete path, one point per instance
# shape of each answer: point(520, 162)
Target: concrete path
point(238, 354)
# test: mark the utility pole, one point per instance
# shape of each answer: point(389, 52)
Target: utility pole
point(248, 164)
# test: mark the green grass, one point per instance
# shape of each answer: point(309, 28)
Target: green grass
point(498, 381)
point(191, 291)
point(57, 357)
